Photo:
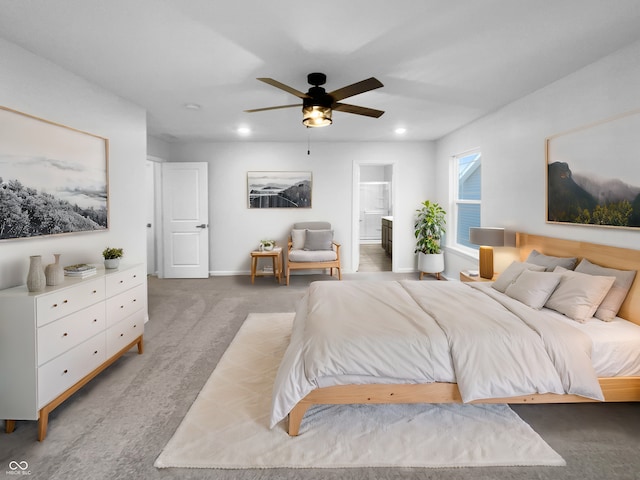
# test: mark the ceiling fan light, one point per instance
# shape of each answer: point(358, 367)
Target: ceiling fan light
point(316, 116)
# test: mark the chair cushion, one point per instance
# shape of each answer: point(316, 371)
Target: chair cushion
point(297, 238)
point(318, 239)
point(312, 256)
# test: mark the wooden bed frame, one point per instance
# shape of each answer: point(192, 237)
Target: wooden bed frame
point(617, 389)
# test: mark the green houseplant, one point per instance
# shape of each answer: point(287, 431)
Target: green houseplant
point(112, 257)
point(429, 228)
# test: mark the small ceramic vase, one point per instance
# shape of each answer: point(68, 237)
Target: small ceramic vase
point(35, 278)
point(111, 263)
point(54, 273)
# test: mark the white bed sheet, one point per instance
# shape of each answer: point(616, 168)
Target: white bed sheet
point(616, 344)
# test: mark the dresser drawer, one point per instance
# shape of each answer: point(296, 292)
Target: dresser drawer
point(62, 372)
point(125, 304)
point(125, 332)
point(65, 301)
point(61, 335)
point(120, 281)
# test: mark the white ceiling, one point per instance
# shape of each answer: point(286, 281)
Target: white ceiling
point(443, 63)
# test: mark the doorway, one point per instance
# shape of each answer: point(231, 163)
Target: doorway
point(375, 214)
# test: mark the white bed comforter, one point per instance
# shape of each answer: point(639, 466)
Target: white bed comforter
point(424, 332)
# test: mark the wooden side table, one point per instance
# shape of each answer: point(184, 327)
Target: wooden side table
point(465, 277)
point(276, 259)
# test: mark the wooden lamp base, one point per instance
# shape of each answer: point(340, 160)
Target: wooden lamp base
point(486, 262)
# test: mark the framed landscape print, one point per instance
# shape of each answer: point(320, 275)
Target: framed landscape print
point(593, 177)
point(279, 189)
point(53, 179)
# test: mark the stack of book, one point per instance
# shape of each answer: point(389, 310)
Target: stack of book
point(80, 270)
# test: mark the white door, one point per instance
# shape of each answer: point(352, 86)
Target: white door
point(185, 218)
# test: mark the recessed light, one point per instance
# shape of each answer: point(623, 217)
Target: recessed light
point(243, 130)
point(192, 106)
point(401, 130)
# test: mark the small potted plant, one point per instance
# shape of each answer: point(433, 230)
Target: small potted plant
point(112, 257)
point(267, 245)
point(429, 227)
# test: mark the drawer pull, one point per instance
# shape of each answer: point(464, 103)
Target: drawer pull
point(135, 276)
point(66, 301)
point(95, 320)
point(121, 306)
point(95, 291)
point(65, 334)
point(95, 352)
point(135, 325)
point(122, 334)
point(65, 371)
point(135, 300)
point(121, 281)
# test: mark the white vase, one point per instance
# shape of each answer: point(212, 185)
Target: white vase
point(431, 262)
point(111, 263)
point(54, 273)
point(35, 278)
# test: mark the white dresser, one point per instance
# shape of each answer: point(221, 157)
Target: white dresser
point(55, 341)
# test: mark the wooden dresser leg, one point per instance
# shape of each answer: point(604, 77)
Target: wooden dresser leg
point(43, 421)
point(141, 346)
point(9, 426)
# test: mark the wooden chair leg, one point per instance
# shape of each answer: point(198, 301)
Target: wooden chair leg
point(9, 426)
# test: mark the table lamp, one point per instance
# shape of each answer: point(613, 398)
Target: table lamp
point(487, 238)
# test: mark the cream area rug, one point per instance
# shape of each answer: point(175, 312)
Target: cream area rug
point(228, 424)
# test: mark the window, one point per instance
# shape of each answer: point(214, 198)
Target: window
point(467, 196)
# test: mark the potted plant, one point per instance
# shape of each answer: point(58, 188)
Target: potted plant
point(429, 227)
point(267, 245)
point(112, 257)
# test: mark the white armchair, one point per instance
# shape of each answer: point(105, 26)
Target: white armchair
point(311, 246)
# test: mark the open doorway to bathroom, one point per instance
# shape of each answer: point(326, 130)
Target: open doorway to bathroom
point(375, 218)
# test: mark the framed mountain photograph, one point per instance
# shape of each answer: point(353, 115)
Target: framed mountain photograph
point(593, 176)
point(53, 178)
point(279, 189)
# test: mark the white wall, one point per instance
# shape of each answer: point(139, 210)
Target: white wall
point(512, 141)
point(236, 230)
point(36, 86)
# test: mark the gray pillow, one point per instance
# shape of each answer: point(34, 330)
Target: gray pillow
point(533, 288)
point(549, 262)
point(318, 239)
point(609, 307)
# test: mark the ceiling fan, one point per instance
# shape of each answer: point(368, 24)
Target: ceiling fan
point(317, 105)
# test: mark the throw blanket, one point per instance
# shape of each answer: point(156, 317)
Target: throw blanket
point(424, 332)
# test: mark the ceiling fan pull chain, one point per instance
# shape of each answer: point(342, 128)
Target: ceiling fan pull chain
point(308, 142)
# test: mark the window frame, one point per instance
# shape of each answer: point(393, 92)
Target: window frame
point(456, 202)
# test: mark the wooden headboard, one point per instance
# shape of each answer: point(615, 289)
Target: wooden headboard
point(603, 255)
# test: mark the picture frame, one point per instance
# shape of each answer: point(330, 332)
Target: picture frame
point(593, 176)
point(286, 189)
point(53, 178)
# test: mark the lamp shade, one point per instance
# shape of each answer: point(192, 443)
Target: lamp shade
point(487, 236)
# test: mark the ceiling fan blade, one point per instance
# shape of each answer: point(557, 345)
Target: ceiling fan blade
point(356, 88)
point(369, 112)
point(282, 86)
point(273, 108)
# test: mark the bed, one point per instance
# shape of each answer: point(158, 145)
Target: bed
point(385, 326)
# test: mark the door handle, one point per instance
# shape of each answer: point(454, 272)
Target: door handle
point(204, 225)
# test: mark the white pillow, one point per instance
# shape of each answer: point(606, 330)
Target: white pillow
point(534, 288)
point(511, 274)
point(610, 306)
point(578, 295)
point(297, 239)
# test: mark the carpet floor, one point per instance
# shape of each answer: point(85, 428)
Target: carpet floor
point(228, 424)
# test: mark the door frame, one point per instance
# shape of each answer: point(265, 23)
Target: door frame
point(355, 214)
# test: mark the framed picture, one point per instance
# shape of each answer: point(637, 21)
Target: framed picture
point(53, 179)
point(279, 189)
point(593, 176)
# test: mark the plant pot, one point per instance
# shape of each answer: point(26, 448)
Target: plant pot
point(431, 262)
point(111, 263)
